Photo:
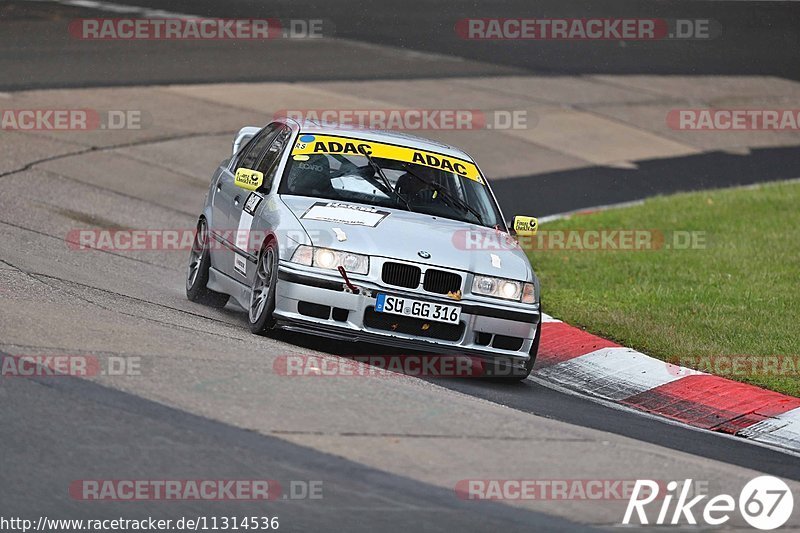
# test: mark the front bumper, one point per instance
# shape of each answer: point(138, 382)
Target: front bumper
point(485, 330)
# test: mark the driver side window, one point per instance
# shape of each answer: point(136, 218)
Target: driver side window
point(275, 150)
point(248, 156)
point(268, 164)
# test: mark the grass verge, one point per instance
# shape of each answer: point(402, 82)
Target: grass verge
point(717, 290)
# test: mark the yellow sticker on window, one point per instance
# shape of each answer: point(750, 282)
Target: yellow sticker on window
point(248, 179)
point(329, 144)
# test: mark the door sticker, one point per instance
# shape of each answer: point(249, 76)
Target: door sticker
point(240, 264)
point(251, 204)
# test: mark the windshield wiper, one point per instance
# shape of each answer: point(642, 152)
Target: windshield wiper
point(442, 191)
point(386, 182)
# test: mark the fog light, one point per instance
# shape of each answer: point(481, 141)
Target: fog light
point(351, 262)
point(486, 285)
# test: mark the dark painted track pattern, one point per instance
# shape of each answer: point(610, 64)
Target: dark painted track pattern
point(570, 190)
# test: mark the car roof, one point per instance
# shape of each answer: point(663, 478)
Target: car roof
point(385, 136)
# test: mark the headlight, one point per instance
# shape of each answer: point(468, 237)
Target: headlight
point(331, 259)
point(504, 288)
point(324, 258)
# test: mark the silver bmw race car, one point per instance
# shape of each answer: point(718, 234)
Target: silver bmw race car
point(365, 235)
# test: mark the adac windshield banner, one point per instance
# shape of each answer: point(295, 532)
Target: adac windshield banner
point(329, 144)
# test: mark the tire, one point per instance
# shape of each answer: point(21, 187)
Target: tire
point(503, 373)
point(262, 294)
point(534, 351)
point(197, 271)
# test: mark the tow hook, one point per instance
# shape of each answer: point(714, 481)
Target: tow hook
point(349, 287)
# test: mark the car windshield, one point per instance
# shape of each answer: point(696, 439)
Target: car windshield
point(387, 182)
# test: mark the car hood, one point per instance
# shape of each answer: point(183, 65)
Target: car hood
point(404, 235)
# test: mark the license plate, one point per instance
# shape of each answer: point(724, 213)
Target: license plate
point(449, 314)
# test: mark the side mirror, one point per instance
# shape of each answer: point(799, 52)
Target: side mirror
point(248, 179)
point(244, 135)
point(525, 226)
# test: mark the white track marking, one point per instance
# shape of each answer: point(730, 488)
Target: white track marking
point(568, 214)
point(781, 430)
point(612, 373)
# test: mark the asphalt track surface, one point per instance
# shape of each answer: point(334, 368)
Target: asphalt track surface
point(755, 38)
point(208, 405)
point(170, 441)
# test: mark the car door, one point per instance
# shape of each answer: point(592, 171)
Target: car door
point(245, 244)
point(227, 197)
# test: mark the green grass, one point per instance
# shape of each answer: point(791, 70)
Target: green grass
point(737, 296)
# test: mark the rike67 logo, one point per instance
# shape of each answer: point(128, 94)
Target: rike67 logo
point(765, 503)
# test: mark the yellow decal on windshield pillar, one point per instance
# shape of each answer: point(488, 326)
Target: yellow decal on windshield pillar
point(329, 144)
